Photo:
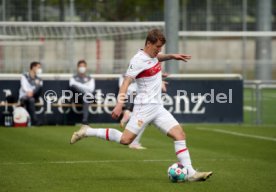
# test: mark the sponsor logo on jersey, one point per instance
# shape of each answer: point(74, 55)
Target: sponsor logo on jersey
point(150, 72)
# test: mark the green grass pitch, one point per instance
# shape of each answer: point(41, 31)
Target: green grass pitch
point(267, 106)
point(242, 158)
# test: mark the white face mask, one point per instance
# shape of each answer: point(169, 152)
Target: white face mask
point(38, 71)
point(82, 69)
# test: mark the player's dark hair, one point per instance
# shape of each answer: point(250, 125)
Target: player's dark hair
point(34, 64)
point(81, 61)
point(154, 35)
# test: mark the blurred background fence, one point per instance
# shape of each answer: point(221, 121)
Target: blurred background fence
point(108, 46)
point(226, 47)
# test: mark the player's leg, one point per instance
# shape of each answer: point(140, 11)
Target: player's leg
point(177, 134)
point(142, 115)
point(136, 144)
point(168, 124)
point(134, 126)
point(108, 134)
point(127, 137)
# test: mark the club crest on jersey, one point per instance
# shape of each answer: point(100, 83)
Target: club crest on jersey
point(140, 123)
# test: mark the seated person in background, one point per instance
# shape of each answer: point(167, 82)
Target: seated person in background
point(83, 84)
point(30, 90)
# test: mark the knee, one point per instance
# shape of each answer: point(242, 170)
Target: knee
point(180, 136)
point(125, 141)
point(177, 133)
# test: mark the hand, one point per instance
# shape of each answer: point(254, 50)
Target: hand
point(182, 57)
point(164, 86)
point(165, 75)
point(30, 93)
point(117, 111)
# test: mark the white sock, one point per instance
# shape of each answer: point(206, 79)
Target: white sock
point(183, 155)
point(108, 134)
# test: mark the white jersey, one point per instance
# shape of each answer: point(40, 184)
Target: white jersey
point(147, 73)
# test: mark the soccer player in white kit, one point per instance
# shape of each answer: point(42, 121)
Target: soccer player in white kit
point(145, 68)
point(127, 111)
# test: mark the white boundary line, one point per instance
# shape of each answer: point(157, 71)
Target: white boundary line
point(89, 162)
point(113, 161)
point(237, 134)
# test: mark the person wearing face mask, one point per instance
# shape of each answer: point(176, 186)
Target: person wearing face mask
point(30, 90)
point(83, 85)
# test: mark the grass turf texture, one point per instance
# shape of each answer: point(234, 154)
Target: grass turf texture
point(41, 159)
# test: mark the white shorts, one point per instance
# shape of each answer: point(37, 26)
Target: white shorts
point(143, 114)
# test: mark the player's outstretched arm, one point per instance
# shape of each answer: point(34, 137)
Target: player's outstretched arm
point(164, 57)
point(121, 98)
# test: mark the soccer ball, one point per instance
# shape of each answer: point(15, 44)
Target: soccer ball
point(177, 172)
